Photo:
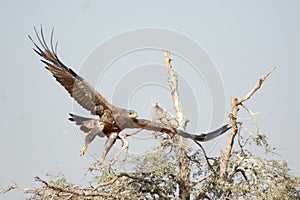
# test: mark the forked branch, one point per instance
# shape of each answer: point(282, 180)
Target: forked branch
point(235, 103)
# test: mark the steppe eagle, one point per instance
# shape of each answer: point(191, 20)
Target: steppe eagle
point(112, 119)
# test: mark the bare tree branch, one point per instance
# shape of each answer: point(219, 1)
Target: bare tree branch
point(78, 190)
point(235, 102)
point(74, 192)
point(26, 190)
point(179, 142)
point(173, 84)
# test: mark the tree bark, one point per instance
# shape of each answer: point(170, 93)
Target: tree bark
point(179, 143)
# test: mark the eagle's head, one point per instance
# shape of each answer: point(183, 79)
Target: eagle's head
point(132, 114)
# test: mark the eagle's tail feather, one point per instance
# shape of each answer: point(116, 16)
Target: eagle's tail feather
point(86, 124)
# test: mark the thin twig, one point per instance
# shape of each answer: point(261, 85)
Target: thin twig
point(205, 155)
point(114, 179)
point(239, 139)
point(201, 179)
point(256, 87)
point(253, 117)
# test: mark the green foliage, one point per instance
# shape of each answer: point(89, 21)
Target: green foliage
point(251, 177)
point(154, 175)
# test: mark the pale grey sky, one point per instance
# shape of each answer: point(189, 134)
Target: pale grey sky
point(244, 40)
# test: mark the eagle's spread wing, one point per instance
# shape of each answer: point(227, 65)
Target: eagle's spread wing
point(77, 87)
point(152, 126)
point(204, 137)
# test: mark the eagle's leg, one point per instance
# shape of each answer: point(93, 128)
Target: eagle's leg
point(124, 146)
point(88, 139)
point(109, 143)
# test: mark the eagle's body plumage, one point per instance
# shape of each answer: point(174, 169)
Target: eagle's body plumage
point(112, 119)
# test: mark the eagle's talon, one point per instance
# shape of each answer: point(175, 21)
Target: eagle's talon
point(83, 150)
point(101, 161)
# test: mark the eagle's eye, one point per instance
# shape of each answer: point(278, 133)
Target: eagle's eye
point(132, 114)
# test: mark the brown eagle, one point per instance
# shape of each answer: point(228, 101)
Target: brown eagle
point(112, 120)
